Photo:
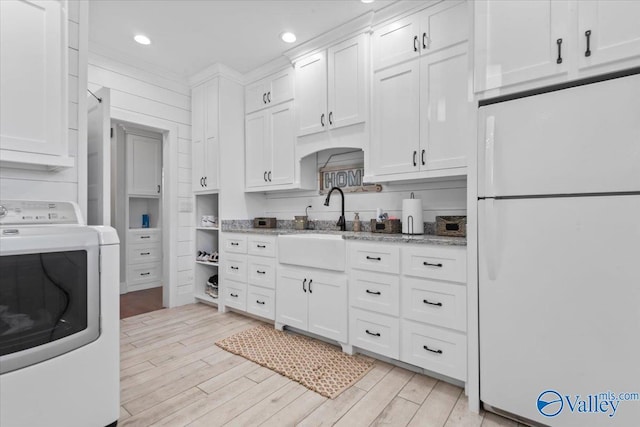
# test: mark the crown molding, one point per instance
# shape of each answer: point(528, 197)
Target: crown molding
point(265, 70)
point(216, 70)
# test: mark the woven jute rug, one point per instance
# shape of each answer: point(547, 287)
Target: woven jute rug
point(316, 365)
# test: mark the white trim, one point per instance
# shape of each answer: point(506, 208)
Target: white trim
point(216, 70)
point(83, 78)
point(268, 69)
point(169, 131)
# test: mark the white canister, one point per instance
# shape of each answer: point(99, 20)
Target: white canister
point(412, 216)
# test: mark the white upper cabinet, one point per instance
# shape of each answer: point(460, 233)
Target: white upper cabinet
point(331, 87)
point(608, 31)
point(270, 147)
point(205, 142)
point(33, 74)
point(422, 33)
point(269, 91)
point(522, 45)
point(144, 165)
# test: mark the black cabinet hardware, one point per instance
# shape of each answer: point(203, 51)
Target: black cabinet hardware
point(559, 43)
point(304, 282)
point(264, 98)
point(234, 243)
point(269, 176)
point(373, 292)
point(201, 181)
point(145, 253)
point(374, 258)
point(260, 302)
point(432, 351)
point(269, 97)
point(322, 119)
point(158, 188)
point(145, 237)
point(428, 264)
point(426, 301)
point(375, 334)
point(234, 295)
point(264, 176)
point(233, 267)
point(145, 274)
point(415, 43)
point(261, 246)
point(205, 181)
point(422, 157)
point(424, 38)
point(330, 117)
point(310, 281)
point(261, 272)
point(587, 34)
point(415, 163)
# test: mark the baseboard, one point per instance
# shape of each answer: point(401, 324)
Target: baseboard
point(141, 286)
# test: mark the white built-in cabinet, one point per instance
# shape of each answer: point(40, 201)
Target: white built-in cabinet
point(526, 44)
point(204, 136)
point(270, 146)
point(207, 240)
point(422, 114)
point(144, 165)
point(33, 73)
point(331, 87)
point(269, 91)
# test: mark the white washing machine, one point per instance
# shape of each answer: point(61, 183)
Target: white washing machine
point(59, 318)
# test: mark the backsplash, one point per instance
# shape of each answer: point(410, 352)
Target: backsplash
point(245, 224)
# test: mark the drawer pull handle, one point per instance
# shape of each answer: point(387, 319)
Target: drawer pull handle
point(261, 246)
point(234, 243)
point(428, 264)
point(260, 302)
point(145, 237)
point(234, 295)
point(145, 274)
point(373, 258)
point(373, 292)
point(145, 253)
point(375, 334)
point(261, 272)
point(439, 304)
point(431, 350)
point(310, 280)
point(233, 268)
point(304, 282)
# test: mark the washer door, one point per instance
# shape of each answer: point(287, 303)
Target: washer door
point(49, 293)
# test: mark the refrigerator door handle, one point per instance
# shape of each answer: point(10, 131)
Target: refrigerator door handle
point(489, 142)
point(490, 237)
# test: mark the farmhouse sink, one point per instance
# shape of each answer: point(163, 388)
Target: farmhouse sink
point(325, 251)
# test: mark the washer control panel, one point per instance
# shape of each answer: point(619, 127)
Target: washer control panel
point(23, 212)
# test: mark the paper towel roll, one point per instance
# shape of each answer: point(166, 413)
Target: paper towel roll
point(412, 216)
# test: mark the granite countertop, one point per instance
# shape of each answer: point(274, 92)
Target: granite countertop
point(427, 239)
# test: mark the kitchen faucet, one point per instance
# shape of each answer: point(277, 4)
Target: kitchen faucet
point(341, 222)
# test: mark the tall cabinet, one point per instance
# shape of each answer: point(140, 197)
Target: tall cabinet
point(204, 136)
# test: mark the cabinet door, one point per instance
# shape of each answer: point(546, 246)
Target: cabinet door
point(347, 82)
point(33, 75)
point(396, 42)
point(256, 135)
point(281, 144)
point(280, 87)
point(255, 96)
point(446, 113)
point(197, 137)
point(291, 298)
point(614, 31)
point(517, 41)
point(396, 119)
point(212, 144)
point(144, 165)
point(443, 26)
point(328, 305)
point(311, 94)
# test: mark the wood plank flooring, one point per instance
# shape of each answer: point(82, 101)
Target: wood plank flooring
point(173, 374)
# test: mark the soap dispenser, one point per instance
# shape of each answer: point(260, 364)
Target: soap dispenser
point(357, 225)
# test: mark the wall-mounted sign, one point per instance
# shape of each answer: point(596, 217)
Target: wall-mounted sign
point(348, 178)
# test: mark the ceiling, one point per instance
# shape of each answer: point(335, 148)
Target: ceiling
point(189, 35)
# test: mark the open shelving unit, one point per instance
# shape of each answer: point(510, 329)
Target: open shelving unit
point(207, 240)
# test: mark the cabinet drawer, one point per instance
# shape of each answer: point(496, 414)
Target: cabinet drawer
point(144, 253)
point(375, 292)
point(144, 236)
point(262, 245)
point(261, 302)
point(261, 271)
point(375, 257)
point(438, 303)
point(143, 273)
point(235, 243)
point(374, 332)
point(235, 294)
point(235, 268)
point(436, 349)
point(442, 263)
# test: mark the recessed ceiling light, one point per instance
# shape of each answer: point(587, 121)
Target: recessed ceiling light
point(288, 37)
point(367, 1)
point(142, 39)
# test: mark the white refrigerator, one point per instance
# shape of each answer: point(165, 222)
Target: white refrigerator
point(559, 255)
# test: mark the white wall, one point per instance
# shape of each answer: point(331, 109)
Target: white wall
point(438, 197)
point(168, 99)
point(62, 184)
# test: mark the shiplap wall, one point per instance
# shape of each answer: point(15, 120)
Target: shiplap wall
point(159, 96)
point(438, 197)
point(62, 184)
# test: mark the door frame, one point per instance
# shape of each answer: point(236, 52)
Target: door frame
point(169, 132)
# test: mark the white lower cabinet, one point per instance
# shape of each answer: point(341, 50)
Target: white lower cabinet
point(235, 294)
point(375, 332)
point(261, 302)
point(312, 300)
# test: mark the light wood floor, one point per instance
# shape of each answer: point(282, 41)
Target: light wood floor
point(173, 374)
